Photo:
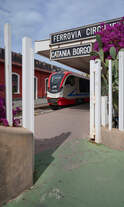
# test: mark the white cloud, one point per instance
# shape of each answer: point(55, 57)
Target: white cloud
point(39, 18)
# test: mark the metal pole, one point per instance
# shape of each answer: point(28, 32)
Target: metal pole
point(92, 98)
point(27, 84)
point(121, 90)
point(98, 100)
point(110, 94)
point(8, 72)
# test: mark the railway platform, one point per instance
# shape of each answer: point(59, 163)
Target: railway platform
point(41, 102)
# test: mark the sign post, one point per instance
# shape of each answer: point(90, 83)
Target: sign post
point(98, 100)
point(121, 90)
point(27, 84)
point(110, 94)
point(8, 72)
point(92, 99)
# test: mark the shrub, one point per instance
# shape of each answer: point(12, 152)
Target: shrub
point(3, 120)
point(109, 40)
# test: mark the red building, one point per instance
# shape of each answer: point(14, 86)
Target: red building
point(42, 72)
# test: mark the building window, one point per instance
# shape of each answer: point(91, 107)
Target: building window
point(15, 83)
point(46, 85)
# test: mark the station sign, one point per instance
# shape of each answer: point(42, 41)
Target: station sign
point(81, 33)
point(71, 52)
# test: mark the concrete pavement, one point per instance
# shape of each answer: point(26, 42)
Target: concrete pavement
point(69, 170)
point(73, 121)
point(77, 173)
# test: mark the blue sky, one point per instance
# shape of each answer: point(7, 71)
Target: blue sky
point(38, 18)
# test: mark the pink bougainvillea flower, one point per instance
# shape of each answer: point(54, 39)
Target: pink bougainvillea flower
point(111, 36)
point(109, 57)
point(3, 120)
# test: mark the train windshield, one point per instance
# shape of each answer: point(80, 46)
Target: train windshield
point(55, 82)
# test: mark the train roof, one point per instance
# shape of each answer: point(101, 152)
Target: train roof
point(74, 74)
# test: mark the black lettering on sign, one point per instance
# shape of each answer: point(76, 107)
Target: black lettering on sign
point(77, 51)
point(84, 32)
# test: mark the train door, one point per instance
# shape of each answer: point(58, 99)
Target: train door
point(69, 87)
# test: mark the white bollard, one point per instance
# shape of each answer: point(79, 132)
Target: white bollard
point(27, 84)
point(8, 73)
point(92, 98)
point(110, 94)
point(104, 111)
point(121, 90)
point(98, 100)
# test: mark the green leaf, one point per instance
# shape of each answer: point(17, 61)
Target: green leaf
point(104, 79)
point(104, 66)
point(101, 55)
point(107, 63)
point(116, 64)
point(98, 38)
point(112, 52)
point(93, 53)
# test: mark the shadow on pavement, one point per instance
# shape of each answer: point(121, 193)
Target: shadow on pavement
point(82, 106)
point(44, 149)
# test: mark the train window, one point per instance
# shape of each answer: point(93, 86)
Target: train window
point(56, 79)
point(70, 81)
point(55, 82)
point(83, 85)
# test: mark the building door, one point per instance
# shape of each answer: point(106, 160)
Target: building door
point(35, 87)
point(46, 86)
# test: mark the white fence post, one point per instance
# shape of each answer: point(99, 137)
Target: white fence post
point(104, 111)
point(98, 100)
point(121, 90)
point(8, 72)
point(110, 94)
point(92, 98)
point(27, 84)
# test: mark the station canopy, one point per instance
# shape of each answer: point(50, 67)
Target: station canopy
point(71, 47)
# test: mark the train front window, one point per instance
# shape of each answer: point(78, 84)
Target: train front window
point(56, 81)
